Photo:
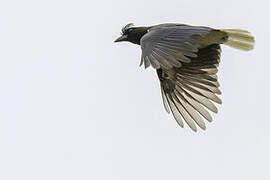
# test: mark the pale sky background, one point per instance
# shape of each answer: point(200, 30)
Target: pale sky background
point(76, 106)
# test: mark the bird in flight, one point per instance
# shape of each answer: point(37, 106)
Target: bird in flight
point(186, 59)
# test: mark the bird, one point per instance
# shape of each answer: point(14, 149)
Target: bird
point(186, 59)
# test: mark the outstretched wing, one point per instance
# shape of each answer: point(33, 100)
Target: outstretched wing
point(170, 45)
point(190, 90)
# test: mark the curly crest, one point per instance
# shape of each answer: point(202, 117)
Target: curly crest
point(126, 27)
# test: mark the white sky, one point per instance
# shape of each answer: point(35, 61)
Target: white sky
point(76, 106)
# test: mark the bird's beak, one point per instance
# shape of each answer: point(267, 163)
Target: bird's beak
point(121, 38)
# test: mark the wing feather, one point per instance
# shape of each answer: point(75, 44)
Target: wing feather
point(176, 113)
point(164, 99)
point(195, 104)
point(189, 92)
point(183, 112)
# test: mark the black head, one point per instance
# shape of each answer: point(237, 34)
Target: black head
point(132, 34)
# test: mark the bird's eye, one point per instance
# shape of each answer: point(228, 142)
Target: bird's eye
point(129, 30)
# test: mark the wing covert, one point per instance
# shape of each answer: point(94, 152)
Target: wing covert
point(171, 45)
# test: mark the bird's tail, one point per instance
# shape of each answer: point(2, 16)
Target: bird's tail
point(239, 39)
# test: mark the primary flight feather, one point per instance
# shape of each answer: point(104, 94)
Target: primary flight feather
point(186, 60)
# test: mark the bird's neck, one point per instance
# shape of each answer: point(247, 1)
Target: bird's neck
point(140, 32)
